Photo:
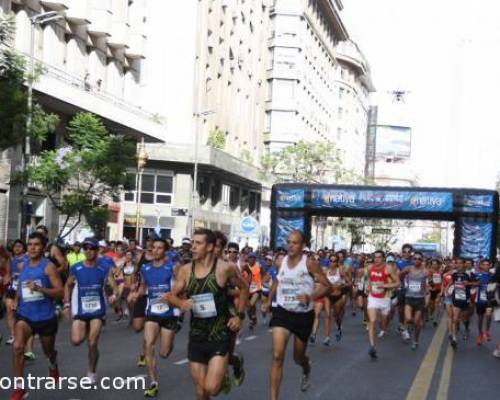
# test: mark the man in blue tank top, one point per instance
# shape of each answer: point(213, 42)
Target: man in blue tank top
point(39, 285)
point(84, 296)
point(162, 320)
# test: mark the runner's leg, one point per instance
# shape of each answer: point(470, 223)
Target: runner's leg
point(280, 341)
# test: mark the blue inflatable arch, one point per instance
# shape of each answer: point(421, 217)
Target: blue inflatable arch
point(474, 211)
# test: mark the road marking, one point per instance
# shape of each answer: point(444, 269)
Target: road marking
point(444, 382)
point(250, 338)
point(422, 382)
point(181, 362)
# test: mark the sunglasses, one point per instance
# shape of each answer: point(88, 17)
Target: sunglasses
point(418, 258)
point(333, 260)
point(89, 248)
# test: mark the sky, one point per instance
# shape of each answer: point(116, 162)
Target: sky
point(446, 54)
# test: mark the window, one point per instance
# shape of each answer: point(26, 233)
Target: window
point(155, 189)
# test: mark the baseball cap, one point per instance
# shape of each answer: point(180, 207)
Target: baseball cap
point(186, 240)
point(268, 257)
point(102, 243)
point(389, 259)
point(252, 254)
point(92, 242)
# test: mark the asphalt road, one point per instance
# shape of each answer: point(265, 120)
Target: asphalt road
point(342, 371)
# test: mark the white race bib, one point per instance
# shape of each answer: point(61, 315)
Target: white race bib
point(377, 288)
point(159, 307)
point(460, 293)
point(290, 300)
point(128, 270)
point(91, 304)
point(414, 286)
point(29, 295)
point(204, 305)
point(436, 278)
point(15, 283)
point(361, 286)
point(483, 296)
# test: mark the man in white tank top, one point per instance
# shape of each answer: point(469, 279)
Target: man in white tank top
point(293, 315)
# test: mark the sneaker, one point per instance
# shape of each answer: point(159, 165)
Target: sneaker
point(381, 334)
point(152, 391)
point(496, 353)
point(239, 373)
point(414, 346)
point(29, 356)
point(312, 340)
point(479, 340)
point(338, 336)
point(405, 335)
point(372, 353)
point(226, 385)
point(141, 361)
point(453, 343)
point(10, 341)
point(327, 341)
point(19, 394)
point(400, 328)
point(54, 372)
point(305, 382)
point(92, 376)
point(487, 336)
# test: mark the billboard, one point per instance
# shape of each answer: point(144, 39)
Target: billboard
point(393, 141)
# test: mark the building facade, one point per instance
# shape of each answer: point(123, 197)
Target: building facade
point(92, 59)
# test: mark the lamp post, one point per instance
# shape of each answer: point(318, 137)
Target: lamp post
point(38, 19)
point(142, 158)
point(194, 191)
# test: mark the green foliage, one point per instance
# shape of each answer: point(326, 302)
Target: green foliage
point(97, 219)
point(92, 168)
point(217, 139)
point(246, 156)
point(14, 96)
point(308, 162)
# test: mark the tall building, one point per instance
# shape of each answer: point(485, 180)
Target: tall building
point(92, 60)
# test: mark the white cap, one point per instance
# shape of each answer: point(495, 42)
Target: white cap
point(186, 241)
point(102, 243)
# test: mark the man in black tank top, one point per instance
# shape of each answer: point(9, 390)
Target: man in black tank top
point(204, 282)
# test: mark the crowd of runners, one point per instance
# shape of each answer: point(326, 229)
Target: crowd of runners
point(219, 288)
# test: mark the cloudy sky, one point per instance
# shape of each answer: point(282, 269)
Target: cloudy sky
point(446, 53)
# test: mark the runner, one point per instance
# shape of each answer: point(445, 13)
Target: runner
point(402, 263)
point(294, 314)
point(75, 255)
point(269, 275)
point(484, 302)
point(255, 289)
point(461, 283)
point(381, 278)
point(39, 286)
point(360, 284)
point(84, 298)
point(435, 286)
point(447, 294)
point(204, 282)
point(162, 320)
point(415, 278)
point(337, 298)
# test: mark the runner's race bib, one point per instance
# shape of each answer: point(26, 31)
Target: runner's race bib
point(361, 286)
point(159, 307)
point(377, 288)
point(91, 304)
point(436, 278)
point(14, 283)
point(204, 305)
point(29, 295)
point(460, 293)
point(290, 300)
point(414, 286)
point(128, 270)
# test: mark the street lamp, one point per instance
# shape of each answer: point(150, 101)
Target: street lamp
point(194, 191)
point(38, 19)
point(142, 158)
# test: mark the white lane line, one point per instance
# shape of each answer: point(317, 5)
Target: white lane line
point(250, 338)
point(181, 362)
point(141, 376)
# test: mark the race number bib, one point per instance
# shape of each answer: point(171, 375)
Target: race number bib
point(29, 295)
point(128, 270)
point(290, 300)
point(91, 304)
point(460, 293)
point(436, 278)
point(361, 286)
point(415, 286)
point(15, 283)
point(483, 296)
point(159, 307)
point(377, 288)
point(253, 287)
point(204, 305)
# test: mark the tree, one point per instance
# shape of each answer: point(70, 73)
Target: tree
point(217, 139)
point(79, 178)
point(14, 96)
point(308, 162)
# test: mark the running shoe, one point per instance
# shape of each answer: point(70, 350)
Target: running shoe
point(414, 346)
point(239, 372)
point(479, 340)
point(226, 385)
point(92, 376)
point(54, 372)
point(381, 334)
point(141, 361)
point(312, 340)
point(405, 335)
point(496, 353)
point(305, 381)
point(372, 353)
point(487, 336)
point(29, 356)
point(19, 394)
point(10, 341)
point(326, 341)
point(338, 336)
point(453, 343)
point(152, 391)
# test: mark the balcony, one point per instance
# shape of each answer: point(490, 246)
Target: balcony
point(78, 12)
point(137, 46)
point(119, 35)
point(100, 22)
